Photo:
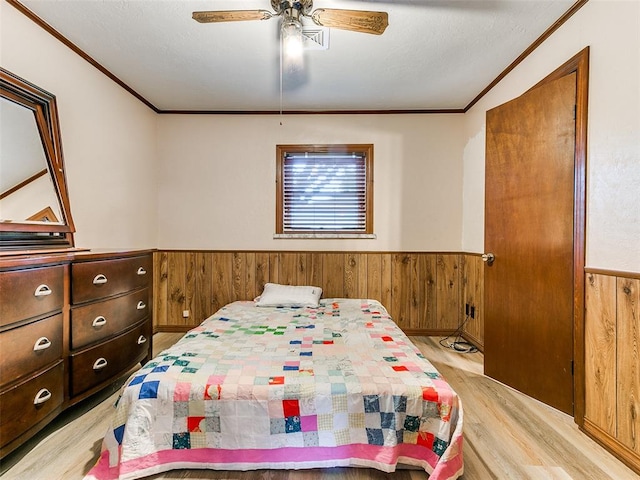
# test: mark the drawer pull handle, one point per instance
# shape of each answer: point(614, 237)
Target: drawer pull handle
point(43, 290)
point(99, 279)
point(141, 271)
point(100, 363)
point(142, 339)
point(42, 396)
point(41, 344)
point(141, 305)
point(99, 321)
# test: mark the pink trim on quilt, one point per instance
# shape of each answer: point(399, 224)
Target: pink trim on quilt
point(222, 459)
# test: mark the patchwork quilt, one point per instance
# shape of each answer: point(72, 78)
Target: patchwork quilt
point(286, 388)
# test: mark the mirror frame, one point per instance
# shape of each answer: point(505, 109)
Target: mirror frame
point(26, 236)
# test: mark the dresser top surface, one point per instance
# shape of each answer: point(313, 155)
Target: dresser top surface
point(31, 258)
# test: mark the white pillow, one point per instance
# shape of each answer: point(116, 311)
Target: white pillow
point(275, 295)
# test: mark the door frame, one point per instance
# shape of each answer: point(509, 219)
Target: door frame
point(580, 65)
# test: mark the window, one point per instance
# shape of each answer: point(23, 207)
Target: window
point(324, 189)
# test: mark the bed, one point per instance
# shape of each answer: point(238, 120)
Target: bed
point(286, 387)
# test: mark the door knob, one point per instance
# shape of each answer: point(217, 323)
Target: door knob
point(488, 257)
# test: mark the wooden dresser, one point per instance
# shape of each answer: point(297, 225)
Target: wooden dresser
point(70, 325)
point(32, 373)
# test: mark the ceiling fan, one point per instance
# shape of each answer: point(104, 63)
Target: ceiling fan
point(291, 11)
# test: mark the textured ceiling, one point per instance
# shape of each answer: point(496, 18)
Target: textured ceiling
point(435, 54)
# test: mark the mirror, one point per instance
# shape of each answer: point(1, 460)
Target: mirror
point(27, 191)
point(34, 204)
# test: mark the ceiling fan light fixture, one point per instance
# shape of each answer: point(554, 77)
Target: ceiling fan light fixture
point(292, 41)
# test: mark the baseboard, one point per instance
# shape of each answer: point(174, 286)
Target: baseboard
point(173, 328)
point(627, 456)
point(423, 332)
point(473, 341)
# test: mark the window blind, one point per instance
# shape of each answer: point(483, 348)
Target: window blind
point(324, 192)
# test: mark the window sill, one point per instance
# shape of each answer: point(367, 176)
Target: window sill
point(282, 236)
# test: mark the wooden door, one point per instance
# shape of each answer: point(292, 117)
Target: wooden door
point(529, 221)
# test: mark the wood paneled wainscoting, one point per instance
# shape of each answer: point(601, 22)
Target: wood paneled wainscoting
point(612, 362)
point(426, 293)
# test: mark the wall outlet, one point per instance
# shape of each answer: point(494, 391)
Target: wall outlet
point(185, 314)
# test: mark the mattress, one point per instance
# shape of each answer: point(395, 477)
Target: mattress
point(286, 388)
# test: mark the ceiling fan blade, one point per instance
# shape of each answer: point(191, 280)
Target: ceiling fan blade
point(231, 15)
point(354, 20)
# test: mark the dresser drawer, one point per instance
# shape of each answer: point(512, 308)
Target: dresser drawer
point(103, 362)
point(30, 348)
point(96, 321)
point(104, 278)
point(26, 404)
point(31, 292)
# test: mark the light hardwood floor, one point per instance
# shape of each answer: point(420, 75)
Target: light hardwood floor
point(507, 436)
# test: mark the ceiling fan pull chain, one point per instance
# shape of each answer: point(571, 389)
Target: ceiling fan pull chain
point(280, 42)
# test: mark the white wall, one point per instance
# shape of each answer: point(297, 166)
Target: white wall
point(209, 181)
point(612, 31)
point(217, 179)
point(108, 137)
